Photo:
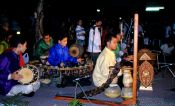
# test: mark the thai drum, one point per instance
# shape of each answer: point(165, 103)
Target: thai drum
point(76, 50)
point(30, 74)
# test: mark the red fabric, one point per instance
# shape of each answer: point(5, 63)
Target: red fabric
point(9, 49)
point(21, 60)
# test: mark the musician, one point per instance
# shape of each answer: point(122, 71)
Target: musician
point(59, 53)
point(121, 51)
point(118, 46)
point(44, 45)
point(105, 60)
point(10, 63)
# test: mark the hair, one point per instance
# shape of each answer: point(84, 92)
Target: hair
point(45, 34)
point(4, 34)
point(61, 36)
point(17, 39)
point(109, 36)
point(98, 18)
point(79, 20)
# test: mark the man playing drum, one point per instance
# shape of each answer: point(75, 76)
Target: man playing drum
point(9, 70)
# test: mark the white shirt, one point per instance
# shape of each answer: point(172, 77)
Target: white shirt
point(94, 40)
point(80, 32)
point(102, 71)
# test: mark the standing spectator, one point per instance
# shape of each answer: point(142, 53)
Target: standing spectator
point(80, 33)
point(173, 30)
point(94, 45)
point(167, 29)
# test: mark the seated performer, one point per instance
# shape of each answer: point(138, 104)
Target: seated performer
point(121, 51)
point(106, 59)
point(10, 62)
point(118, 46)
point(43, 46)
point(59, 53)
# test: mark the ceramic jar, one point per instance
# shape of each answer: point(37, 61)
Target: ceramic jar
point(127, 77)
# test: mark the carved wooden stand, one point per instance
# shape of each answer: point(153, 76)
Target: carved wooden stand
point(146, 70)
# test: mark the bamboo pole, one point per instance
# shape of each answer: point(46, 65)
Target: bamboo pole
point(134, 90)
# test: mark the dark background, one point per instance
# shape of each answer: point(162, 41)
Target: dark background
point(57, 11)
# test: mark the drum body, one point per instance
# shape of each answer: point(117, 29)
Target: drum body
point(76, 50)
point(30, 74)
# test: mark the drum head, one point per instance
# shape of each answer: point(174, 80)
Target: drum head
point(76, 50)
point(27, 75)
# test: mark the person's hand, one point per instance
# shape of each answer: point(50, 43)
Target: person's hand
point(115, 80)
point(99, 46)
point(129, 58)
point(16, 75)
point(79, 59)
point(62, 64)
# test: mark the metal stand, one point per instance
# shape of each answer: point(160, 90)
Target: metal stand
point(169, 69)
point(167, 65)
point(164, 63)
point(78, 84)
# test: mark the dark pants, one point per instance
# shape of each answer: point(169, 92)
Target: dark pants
point(94, 57)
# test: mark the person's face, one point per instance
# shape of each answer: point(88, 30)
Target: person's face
point(47, 38)
point(63, 42)
point(122, 35)
point(99, 23)
point(112, 44)
point(80, 22)
point(22, 47)
point(118, 38)
point(6, 26)
point(8, 38)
